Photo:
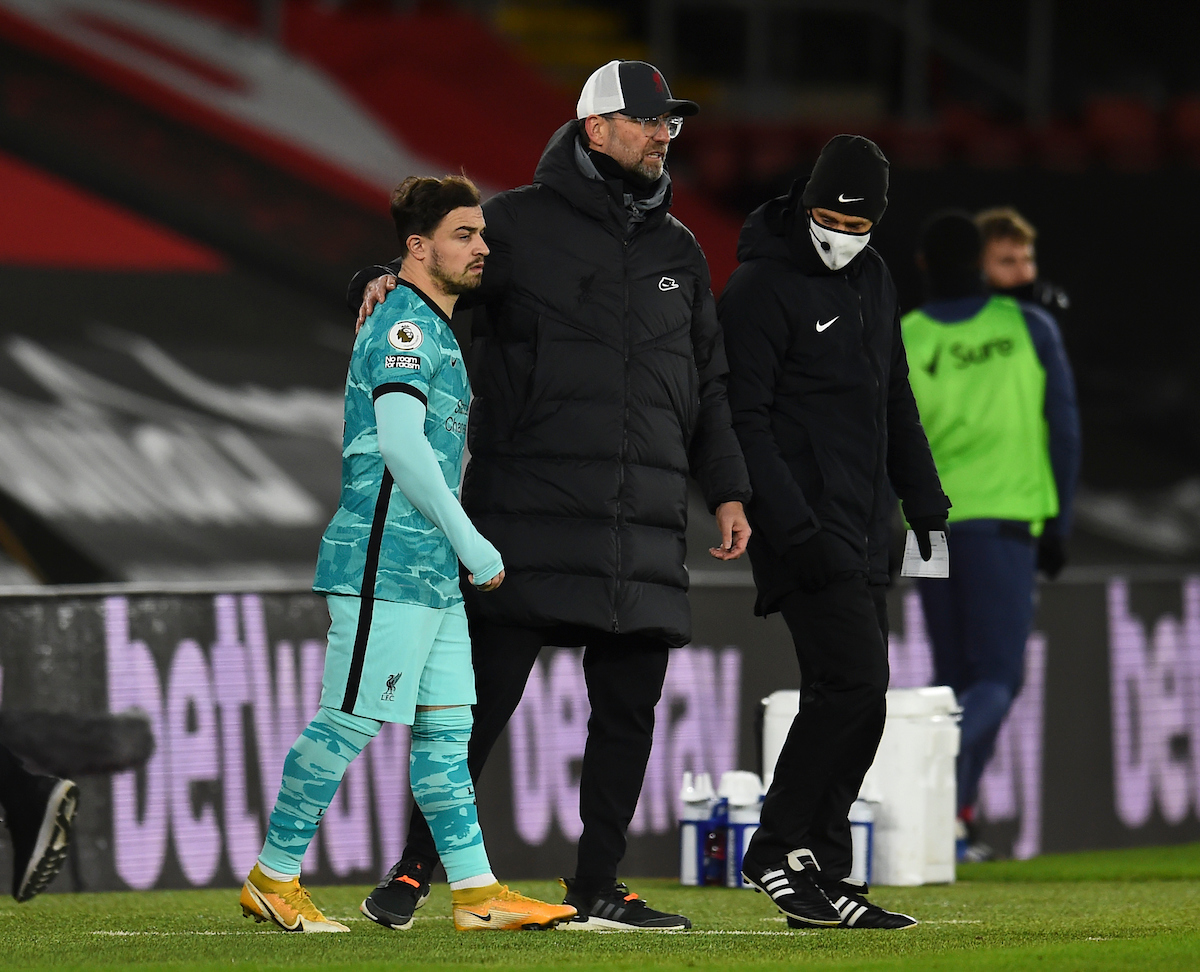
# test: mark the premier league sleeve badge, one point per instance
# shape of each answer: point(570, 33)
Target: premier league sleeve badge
point(405, 336)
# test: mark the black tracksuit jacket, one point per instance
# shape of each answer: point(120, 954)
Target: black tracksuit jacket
point(821, 403)
point(598, 375)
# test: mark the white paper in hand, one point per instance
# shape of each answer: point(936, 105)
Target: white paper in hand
point(938, 565)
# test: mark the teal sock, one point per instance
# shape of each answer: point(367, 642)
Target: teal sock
point(443, 790)
point(311, 774)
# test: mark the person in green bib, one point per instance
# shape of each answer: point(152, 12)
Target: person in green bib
point(997, 401)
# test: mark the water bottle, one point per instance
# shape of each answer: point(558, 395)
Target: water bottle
point(862, 836)
point(743, 793)
point(714, 842)
point(697, 797)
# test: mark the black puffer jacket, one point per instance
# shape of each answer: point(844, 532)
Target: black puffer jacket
point(599, 379)
point(821, 403)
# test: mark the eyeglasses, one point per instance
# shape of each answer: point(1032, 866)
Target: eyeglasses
point(650, 126)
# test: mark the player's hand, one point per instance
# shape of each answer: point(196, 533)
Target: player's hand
point(735, 531)
point(491, 584)
point(374, 293)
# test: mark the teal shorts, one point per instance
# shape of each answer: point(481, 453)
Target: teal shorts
point(403, 656)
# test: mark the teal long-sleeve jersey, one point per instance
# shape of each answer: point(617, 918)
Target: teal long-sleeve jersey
point(379, 543)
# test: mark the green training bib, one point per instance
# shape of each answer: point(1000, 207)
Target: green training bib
point(981, 391)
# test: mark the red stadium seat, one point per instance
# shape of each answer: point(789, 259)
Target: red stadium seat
point(1125, 131)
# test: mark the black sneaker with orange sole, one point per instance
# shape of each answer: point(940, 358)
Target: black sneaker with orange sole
point(616, 908)
point(397, 897)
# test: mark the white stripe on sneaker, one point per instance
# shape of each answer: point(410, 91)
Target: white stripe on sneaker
point(858, 914)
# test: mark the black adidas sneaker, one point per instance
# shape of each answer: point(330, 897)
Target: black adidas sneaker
point(849, 897)
point(616, 909)
point(792, 886)
point(398, 895)
point(40, 818)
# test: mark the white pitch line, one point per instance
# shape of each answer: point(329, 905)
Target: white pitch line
point(950, 921)
point(160, 934)
point(790, 934)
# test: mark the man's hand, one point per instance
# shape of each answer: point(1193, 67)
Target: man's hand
point(735, 531)
point(491, 585)
point(374, 293)
point(922, 526)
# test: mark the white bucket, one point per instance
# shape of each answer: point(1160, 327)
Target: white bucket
point(779, 709)
point(911, 782)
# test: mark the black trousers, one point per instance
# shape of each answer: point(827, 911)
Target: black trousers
point(840, 633)
point(624, 676)
point(14, 779)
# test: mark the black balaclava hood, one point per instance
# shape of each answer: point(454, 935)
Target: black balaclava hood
point(951, 246)
point(850, 177)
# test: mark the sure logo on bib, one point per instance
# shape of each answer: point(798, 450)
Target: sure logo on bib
point(969, 356)
point(405, 336)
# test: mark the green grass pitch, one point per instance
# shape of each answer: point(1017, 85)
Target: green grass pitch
point(1137, 909)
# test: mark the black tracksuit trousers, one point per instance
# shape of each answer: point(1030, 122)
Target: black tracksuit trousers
point(624, 676)
point(840, 633)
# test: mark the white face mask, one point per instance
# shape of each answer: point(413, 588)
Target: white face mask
point(835, 247)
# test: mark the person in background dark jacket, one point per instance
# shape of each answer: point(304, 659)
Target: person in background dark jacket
point(599, 375)
point(818, 387)
point(997, 397)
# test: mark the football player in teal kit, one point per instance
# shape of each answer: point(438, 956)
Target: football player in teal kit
point(398, 644)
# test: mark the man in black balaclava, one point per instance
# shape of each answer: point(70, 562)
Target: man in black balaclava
point(598, 376)
point(998, 402)
point(818, 386)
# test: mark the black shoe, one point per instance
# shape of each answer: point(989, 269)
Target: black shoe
point(849, 898)
point(616, 909)
point(398, 895)
point(792, 887)
point(40, 821)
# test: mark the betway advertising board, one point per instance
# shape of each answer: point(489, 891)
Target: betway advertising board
point(1102, 749)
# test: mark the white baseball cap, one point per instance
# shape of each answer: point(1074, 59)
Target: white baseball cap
point(634, 88)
